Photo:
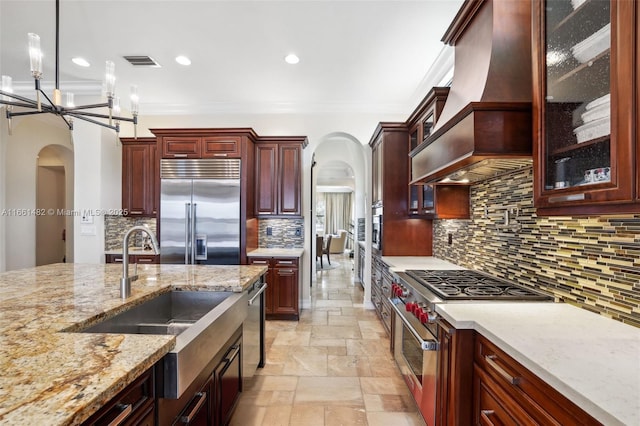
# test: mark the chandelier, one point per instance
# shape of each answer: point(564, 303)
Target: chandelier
point(69, 111)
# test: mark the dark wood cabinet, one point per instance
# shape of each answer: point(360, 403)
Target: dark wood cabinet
point(455, 375)
point(134, 405)
point(505, 392)
point(221, 146)
point(401, 235)
point(278, 174)
point(181, 147)
point(266, 183)
point(227, 384)
point(282, 297)
point(443, 201)
point(133, 258)
point(212, 397)
point(381, 281)
point(420, 124)
point(139, 169)
point(584, 74)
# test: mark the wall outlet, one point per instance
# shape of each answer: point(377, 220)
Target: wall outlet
point(449, 238)
point(269, 230)
point(298, 232)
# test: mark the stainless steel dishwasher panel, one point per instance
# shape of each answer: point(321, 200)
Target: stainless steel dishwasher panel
point(253, 331)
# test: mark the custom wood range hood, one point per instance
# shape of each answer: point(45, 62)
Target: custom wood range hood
point(485, 127)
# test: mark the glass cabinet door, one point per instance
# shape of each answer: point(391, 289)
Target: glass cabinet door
point(578, 93)
point(581, 101)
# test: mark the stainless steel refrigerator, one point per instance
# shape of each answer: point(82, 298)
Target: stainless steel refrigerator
point(200, 211)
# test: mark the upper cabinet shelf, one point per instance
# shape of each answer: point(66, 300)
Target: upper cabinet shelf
point(583, 68)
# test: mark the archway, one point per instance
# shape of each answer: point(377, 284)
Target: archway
point(341, 151)
point(54, 199)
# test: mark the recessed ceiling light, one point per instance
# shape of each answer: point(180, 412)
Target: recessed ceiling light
point(292, 59)
point(80, 62)
point(183, 60)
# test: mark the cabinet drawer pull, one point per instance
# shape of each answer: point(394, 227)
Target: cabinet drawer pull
point(117, 259)
point(233, 352)
point(135, 212)
point(145, 260)
point(220, 155)
point(285, 262)
point(126, 410)
point(180, 155)
point(508, 377)
point(187, 419)
point(485, 414)
point(259, 262)
point(286, 271)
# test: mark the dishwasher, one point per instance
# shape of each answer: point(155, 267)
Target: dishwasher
point(253, 330)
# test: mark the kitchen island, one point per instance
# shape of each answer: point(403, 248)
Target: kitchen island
point(591, 360)
point(51, 374)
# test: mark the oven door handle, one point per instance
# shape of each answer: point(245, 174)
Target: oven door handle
point(425, 344)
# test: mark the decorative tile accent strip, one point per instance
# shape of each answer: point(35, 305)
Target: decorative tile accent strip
point(591, 262)
point(116, 226)
point(285, 233)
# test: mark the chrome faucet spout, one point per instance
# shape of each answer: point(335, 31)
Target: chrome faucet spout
point(125, 281)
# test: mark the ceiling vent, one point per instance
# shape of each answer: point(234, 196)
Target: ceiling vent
point(142, 61)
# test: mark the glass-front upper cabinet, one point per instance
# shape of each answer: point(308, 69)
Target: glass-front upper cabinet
point(583, 105)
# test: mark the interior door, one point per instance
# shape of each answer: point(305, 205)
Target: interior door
point(216, 206)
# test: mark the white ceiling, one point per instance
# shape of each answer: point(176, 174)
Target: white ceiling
point(355, 56)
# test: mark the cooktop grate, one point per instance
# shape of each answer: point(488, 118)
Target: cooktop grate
point(471, 285)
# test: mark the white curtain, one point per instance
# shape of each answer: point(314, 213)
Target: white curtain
point(338, 211)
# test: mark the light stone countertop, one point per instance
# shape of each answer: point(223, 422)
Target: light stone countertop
point(276, 252)
point(592, 360)
point(54, 377)
point(403, 263)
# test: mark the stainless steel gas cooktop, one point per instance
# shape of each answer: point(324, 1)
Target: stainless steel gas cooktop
point(471, 285)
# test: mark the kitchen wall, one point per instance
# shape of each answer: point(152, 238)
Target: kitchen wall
point(283, 233)
point(116, 226)
point(592, 262)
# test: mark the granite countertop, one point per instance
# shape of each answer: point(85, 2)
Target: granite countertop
point(132, 250)
point(276, 252)
point(592, 360)
point(54, 377)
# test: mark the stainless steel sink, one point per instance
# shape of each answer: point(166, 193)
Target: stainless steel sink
point(168, 313)
point(202, 322)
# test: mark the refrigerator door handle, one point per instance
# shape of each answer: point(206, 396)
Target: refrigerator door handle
point(193, 233)
point(187, 226)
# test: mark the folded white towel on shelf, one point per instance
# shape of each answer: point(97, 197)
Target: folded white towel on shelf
point(577, 3)
point(593, 45)
point(593, 130)
point(595, 113)
point(597, 102)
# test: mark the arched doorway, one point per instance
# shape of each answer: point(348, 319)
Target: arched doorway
point(343, 157)
point(54, 201)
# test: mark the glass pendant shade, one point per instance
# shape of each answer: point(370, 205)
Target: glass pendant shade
point(110, 79)
point(135, 100)
point(35, 55)
point(116, 105)
point(6, 87)
point(70, 103)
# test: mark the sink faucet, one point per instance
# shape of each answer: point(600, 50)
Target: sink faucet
point(125, 282)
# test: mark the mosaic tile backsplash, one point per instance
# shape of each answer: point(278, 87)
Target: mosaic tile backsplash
point(592, 262)
point(116, 226)
point(285, 233)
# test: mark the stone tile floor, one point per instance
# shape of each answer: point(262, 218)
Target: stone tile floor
point(332, 367)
